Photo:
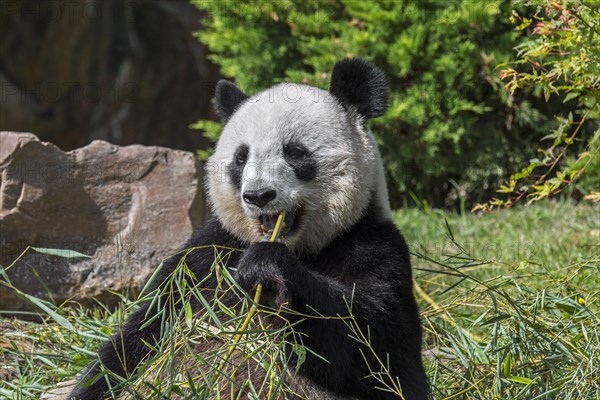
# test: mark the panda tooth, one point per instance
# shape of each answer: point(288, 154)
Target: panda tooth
point(264, 228)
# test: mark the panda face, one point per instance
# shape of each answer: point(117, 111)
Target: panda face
point(293, 148)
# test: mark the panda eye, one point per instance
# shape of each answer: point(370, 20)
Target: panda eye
point(241, 159)
point(241, 155)
point(295, 152)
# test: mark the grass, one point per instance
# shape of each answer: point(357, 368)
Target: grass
point(509, 306)
point(510, 301)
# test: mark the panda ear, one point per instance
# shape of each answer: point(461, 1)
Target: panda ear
point(227, 99)
point(358, 83)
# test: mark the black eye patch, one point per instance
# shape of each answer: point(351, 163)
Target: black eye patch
point(236, 168)
point(241, 155)
point(301, 160)
point(295, 151)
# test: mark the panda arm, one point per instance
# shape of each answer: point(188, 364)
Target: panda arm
point(126, 349)
point(373, 280)
point(377, 311)
point(384, 315)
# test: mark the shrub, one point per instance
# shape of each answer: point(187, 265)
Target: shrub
point(562, 56)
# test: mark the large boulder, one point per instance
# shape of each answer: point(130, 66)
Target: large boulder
point(126, 207)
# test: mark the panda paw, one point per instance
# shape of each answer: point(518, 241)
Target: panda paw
point(269, 264)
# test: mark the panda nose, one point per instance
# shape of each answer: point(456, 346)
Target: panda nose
point(259, 198)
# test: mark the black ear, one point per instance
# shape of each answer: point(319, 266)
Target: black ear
point(358, 83)
point(227, 99)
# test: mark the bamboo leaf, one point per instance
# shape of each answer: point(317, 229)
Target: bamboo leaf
point(61, 253)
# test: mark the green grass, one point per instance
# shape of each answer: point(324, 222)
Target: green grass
point(509, 300)
point(509, 304)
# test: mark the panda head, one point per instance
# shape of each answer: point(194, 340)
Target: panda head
point(302, 150)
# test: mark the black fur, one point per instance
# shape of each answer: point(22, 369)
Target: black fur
point(369, 262)
point(359, 84)
point(301, 161)
point(266, 270)
point(236, 168)
point(227, 99)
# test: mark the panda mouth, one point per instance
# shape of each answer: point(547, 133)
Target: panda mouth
point(268, 222)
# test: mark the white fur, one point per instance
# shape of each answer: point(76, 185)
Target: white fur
point(349, 166)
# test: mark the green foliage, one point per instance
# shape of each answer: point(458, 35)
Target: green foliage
point(211, 130)
point(452, 130)
point(561, 58)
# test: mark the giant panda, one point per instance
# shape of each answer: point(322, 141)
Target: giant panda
point(308, 152)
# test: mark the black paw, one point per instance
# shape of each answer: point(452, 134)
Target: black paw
point(273, 266)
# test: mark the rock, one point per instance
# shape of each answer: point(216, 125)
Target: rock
point(126, 207)
point(122, 71)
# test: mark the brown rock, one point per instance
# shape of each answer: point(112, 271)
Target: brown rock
point(127, 207)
